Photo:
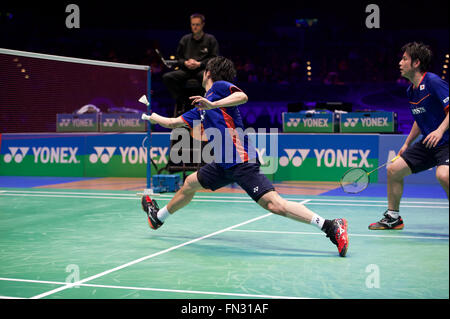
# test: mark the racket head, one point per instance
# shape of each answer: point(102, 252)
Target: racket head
point(355, 180)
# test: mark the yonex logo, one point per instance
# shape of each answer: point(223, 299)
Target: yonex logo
point(76, 122)
point(109, 122)
point(296, 160)
point(293, 122)
point(342, 158)
point(422, 87)
point(63, 155)
point(14, 154)
point(121, 122)
point(350, 121)
point(138, 155)
point(100, 154)
point(64, 122)
point(445, 100)
point(328, 157)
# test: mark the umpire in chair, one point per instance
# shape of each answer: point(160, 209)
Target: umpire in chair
point(193, 52)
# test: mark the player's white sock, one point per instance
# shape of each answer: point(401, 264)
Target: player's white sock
point(163, 213)
point(393, 213)
point(317, 221)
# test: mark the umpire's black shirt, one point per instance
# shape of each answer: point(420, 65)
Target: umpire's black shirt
point(201, 50)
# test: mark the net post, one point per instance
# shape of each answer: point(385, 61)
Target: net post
point(149, 131)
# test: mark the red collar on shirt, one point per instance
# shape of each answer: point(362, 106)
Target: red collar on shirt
point(423, 76)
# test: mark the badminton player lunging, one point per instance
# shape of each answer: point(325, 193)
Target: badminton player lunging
point(219, 110)
point(428, 99)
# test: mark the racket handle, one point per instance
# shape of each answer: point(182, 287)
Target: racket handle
point(395, 158)
point(391, 161)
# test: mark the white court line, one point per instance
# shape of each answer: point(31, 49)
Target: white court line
point(70, 193)
point(378, 201)
point(125, 194)
point(143, 259)
point(374, 205)
point(7, 297)
point(34, 281)
point(152, 289)
point(132, 198)
point(148, 257)
point(196, 292)
point(311, 201)
point(224, 197)
point(66, 196)
point(349, 234)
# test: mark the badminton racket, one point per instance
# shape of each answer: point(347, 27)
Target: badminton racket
point(355, 180)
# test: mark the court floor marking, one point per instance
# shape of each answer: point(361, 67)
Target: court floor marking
point(312, 201)
point(82, 282)
point(380, 201)
point(69, 193)
point(217, 197)
point(350, 234)
point(375, 205)
point(231, 294)
point(8, 297)
point(45, 294)
point(159, 195)
point(132, 198)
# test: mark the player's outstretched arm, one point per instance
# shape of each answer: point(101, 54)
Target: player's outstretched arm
point(234, 99)
point(167, 122)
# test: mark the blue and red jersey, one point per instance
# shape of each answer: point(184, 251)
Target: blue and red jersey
point(429, 104)
point(234, 144)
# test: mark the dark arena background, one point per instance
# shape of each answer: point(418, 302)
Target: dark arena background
point(323, 75)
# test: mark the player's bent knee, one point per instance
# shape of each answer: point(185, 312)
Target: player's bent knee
point(273, 202)
point(276, 207)
point(442, 175)
point(191, 184)
point(397, 172)
point(392, 171)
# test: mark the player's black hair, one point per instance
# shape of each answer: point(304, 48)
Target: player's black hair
point(221, 68)
point(421, 52)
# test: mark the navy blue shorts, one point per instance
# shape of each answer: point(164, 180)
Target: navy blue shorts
point(247, 175)
point(419, 158)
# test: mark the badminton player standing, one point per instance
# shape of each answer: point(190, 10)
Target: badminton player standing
point(428, 98)
point(218, 109)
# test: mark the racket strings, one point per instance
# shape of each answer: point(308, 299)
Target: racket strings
point(355, 180)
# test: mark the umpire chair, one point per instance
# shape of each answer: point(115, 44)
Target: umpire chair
point(191, 87)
